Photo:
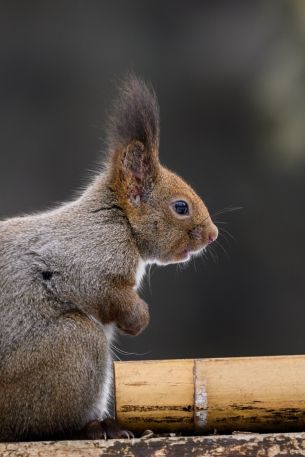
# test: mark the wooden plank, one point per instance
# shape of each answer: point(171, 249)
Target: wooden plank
point(246, 445)
point(249, 393)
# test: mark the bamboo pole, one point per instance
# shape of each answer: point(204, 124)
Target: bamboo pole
point(199, 396)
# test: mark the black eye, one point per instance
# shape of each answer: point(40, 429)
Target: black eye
point(181, 207)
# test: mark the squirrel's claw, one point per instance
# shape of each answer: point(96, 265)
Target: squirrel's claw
point(105, 429)
point(113, 431)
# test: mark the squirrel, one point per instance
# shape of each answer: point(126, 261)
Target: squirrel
point(69, 278)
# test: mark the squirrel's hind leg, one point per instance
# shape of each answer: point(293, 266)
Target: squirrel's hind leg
point(50, 384)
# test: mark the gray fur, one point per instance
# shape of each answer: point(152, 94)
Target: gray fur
point(55, 267)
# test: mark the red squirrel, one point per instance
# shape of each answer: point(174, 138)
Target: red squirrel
point(69, 278)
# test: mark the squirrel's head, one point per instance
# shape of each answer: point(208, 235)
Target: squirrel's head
point(168, 219)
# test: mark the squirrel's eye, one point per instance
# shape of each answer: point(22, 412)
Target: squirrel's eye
point(181, 207)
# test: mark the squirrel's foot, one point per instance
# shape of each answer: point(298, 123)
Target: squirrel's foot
point(107, 428)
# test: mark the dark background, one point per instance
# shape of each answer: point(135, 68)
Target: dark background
point(230, 76)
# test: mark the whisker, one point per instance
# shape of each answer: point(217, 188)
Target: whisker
point(114, 354)
point(228, 233)
point(203, 257)
point(218, 243)
point(213, 255)
point(229, 209)
point(194, 263)
point(121, 351)
point(222, 235)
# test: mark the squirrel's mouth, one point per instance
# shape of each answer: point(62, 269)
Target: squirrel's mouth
point(187, 253)
point(184, 254)
point(181, 256)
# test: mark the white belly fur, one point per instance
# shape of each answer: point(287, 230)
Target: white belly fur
point(140, 273)
point(100, 410)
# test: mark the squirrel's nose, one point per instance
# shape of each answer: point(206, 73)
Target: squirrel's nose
point(213, 233)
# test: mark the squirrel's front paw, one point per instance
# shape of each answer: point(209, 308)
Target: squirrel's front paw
point(134, 321)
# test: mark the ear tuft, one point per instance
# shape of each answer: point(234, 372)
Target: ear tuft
point(133, 142)
point(134, 116)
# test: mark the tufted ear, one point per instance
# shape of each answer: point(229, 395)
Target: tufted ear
point(134, 172)
point(133, 141)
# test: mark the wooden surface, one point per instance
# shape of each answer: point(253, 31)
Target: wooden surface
point(246, 445)
point(250, 394)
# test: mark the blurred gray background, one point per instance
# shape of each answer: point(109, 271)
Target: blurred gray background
point(230, 77)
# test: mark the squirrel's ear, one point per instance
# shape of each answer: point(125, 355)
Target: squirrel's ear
point(138, 171)
point(133, 140)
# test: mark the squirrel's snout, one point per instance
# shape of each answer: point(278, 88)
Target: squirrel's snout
point(213, 233)
point(204, 234)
